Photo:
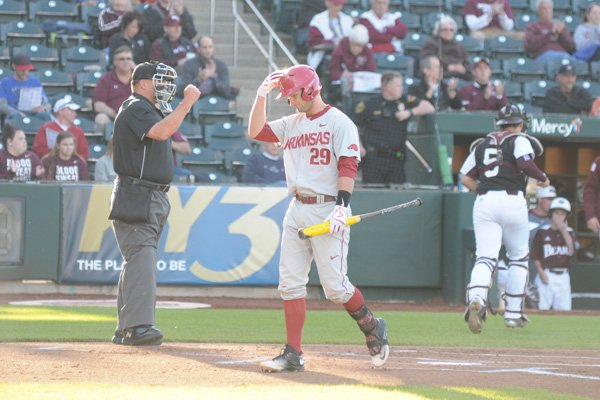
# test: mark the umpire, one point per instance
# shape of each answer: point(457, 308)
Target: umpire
point(143, 161)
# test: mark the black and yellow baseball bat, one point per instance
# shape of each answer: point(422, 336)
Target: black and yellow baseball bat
point(323, 227)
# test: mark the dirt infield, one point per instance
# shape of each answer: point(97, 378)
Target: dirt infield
point(214, 364)
point(177, 364)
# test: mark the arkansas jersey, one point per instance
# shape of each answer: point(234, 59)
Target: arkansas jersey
point(311, 149)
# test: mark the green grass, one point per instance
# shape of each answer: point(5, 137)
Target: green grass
point(56, 324)
point(62, 391)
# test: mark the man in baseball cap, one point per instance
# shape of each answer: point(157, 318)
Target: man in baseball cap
point(567, 97)
point(172, 48)
point(65, 113)
point(482, 93)
point(11, 87)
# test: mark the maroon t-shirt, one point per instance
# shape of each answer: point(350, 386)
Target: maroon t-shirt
point(110, 90)
point(73, 170)
point(21, 168)
point(549, 247)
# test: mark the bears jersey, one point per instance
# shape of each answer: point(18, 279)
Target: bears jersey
point(549, 247)
point(311, 149)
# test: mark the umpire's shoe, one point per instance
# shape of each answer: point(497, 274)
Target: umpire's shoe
point(377, 343)
point(289, 360)
point(475, 314)
point(142, 335)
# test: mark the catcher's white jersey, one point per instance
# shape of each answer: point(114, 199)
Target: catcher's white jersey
point(311, 148)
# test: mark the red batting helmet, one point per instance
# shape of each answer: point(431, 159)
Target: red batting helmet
point(299, 77)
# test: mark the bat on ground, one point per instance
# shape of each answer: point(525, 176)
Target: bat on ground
point(419, 156)
point(323, 227)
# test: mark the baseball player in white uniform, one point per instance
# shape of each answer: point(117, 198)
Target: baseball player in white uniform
point(497, 169)
point(321, 155)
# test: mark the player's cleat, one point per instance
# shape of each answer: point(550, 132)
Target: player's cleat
point(288, 361)
point(475, 314)
point(516, 322)
point(118, 337)
point(143, 335)
point(378, 344)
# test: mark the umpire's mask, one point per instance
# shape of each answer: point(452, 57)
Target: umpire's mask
point(164, 87)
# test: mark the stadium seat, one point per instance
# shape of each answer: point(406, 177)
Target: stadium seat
point(52, 10)
point(535, 92)
point(236, 160)
point(473, 47)
point(412, 44)
point(521, 6)
point(193, 132)
point(286, 15)
point(572, 22)
point(225, 129)
point(41, 57)
point(524, 19)
point(27, 124)
point(503, 47)
point(561, 8)
point(12, 10)
point(530, 109)
point(395, 62)
point(582, 5)
point(581, 68)
point(5, 57)
point(55, 81)
point(423, 7)
point(429, 21)
point(513, 91)
point(81, 58)
point(592, 87)
point(456, 6)
point(88, 127)
point(215, 178)
point(202, 160)
point(412, 21)
point(96, 151)
point(212, 109)
point(86, 82)
point(84, 102)
point(595, 70)
point(16, 33)
point(523, 69)
point(410, 81)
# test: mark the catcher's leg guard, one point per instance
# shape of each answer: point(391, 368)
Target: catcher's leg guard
point(518, 272)
point(481, 278)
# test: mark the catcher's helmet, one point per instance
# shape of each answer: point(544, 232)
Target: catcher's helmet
point(299, 77)
point(510, 114)
point(560, 203)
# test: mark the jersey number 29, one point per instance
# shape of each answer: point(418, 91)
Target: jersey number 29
point(320, 156)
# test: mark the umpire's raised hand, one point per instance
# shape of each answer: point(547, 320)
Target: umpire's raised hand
point(191, 94)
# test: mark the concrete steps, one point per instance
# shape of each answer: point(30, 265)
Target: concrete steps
point(251, 66)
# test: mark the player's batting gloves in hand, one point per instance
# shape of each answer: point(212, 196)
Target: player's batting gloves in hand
point(269, 83)
point(337, 219)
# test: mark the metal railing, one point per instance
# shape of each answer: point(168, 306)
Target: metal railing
point(273, 38)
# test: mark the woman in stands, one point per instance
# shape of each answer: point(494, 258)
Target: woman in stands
point(587, 36)
point(443, 45)
point(63, 163)
point(131, 36)
point(16, 162)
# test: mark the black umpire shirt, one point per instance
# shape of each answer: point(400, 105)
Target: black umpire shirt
point(136, 155)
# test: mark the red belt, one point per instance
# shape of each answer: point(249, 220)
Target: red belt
point(321, 198)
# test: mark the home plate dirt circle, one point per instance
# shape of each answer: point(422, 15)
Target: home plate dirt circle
point(103, 303)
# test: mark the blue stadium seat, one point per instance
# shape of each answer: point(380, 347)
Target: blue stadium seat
point(81, 58)
point(523, 69)
point(16, 33)
point(12, 10)
point(581, 68)
point(535, 92)
point(412, 21)
point(395, 62)
point(41, 57)
point(55, 81)
point(592, 87)
point(473, 47)
point(504, 47)
point(413, 42)
point(513, 91)
point(52, 10)
point(423, 7)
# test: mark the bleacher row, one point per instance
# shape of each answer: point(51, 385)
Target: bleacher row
point(525, 79)
point(70, 64)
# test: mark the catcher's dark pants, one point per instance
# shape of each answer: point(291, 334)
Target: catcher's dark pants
point(136, 299)
point(383, 168)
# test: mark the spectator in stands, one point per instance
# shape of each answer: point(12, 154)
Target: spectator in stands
point(180, 145)
point(131, 36)
point(308, 9)
point(63, 163)
point(156, 14)
point(547, 38)
point(109, 20)
point(489, 18)
point(440, 93)
point(383, 120)
point(113, 88)
point(205, 71)
point(587, 36)
point(591, 198)
point(65, 112)
point(266, 166)
point(452, 54)
point(482, 94)
point(326, 30)
point(12, 88)
point(16, 162)
point(172, 48)
point(385, 29)
point(351, 55)
point(104, 170)
point(567, 97)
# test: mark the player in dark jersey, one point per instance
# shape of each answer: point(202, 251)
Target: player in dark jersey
point(551, 250)
point(497, 169)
